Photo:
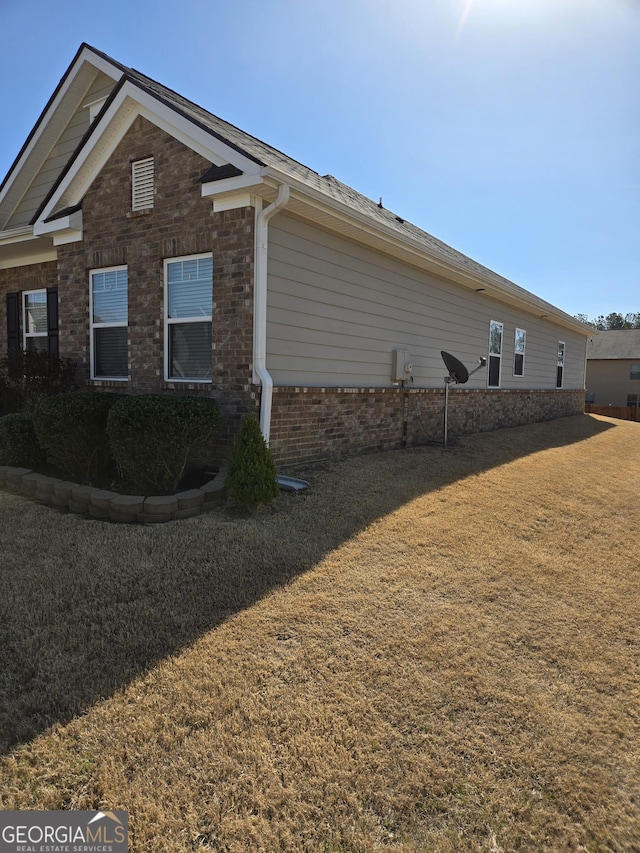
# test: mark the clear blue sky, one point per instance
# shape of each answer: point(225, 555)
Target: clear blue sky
point(510, 129)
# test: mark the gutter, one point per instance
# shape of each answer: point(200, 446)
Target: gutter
point(481, 279)
point(260, 307)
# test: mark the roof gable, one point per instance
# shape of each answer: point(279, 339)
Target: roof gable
point(55, 136)
point(248, 165)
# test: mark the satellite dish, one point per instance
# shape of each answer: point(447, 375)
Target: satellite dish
point(459, 374)
point(457, 371)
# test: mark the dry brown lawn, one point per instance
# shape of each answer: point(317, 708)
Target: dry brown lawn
point(427, 651)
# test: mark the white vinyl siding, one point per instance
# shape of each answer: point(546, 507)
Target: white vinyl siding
point(108, 292)
point(337, 310)
point(142, 189)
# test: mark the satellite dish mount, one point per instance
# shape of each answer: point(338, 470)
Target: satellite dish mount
point(458, 375)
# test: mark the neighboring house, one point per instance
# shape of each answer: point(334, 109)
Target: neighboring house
point(166, 250)
point(613, 368)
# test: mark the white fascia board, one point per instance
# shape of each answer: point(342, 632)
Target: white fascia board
point(72, 222)
point(447, 268)
point(129, 103)
point(233, 202)
point(191, 134)
point(230, 186)
point(86, 55)
point(16, 235)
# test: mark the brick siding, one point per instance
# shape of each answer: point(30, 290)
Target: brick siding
point(180, 223)
point(327, 423)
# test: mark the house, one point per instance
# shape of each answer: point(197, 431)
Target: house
point(168, 251)
point(613, 368)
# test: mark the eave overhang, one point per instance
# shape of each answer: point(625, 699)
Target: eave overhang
point(335, 215)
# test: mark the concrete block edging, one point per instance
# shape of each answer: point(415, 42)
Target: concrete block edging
point(111, 506)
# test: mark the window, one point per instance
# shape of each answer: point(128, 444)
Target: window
point(109, 319)
point(142, 184)
point(35, 332)
point(518, 352)
point(634, 371)
point(38, 310)
point(632, 399)
point(495, 353)
point(188, 310)
point(560, 365)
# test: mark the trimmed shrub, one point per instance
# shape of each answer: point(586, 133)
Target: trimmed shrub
point(71, 429)
point(251, 479)
point(18, 443)
point(155, 437)
point(27, 376)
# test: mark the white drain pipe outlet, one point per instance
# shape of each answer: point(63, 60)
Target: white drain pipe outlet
point(260, 307)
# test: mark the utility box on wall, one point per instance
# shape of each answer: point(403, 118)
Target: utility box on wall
point(399, 361)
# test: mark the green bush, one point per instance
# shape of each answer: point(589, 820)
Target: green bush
point(251, 479)
point(18, 443)
point(71, 429)
point(27, 376)
point(155, 437)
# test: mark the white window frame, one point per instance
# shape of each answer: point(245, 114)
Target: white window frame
point(142, 183)
point(560, 363)
point(495, 355)
point(182, 321)
point(516, 352)
point(93, 326)
point(25, 334)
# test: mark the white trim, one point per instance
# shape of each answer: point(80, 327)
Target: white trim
point(560, 362)
point(40, 143)
point(230, 185)
point(497, 355)
point(25, 334)
point(390, 240)
point(65, 229)
point(131, 102)
point(183, 320)
point(233, 202)
point(93, 325)
point(515, 351)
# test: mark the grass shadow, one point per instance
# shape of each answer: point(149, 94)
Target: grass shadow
point(87, 606)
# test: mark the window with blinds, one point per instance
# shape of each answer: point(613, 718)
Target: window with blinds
point(142, 174)
point(35, 329)
point(109, 321)
point(188, 316)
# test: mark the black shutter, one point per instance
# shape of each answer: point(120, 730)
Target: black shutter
point(13, 321)
point(52, 320)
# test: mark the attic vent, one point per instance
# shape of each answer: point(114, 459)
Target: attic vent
point(142, 184)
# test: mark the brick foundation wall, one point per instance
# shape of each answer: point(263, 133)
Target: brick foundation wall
point(327, 423)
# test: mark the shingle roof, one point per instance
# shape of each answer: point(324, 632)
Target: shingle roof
point(618, 343)
point(266, 155)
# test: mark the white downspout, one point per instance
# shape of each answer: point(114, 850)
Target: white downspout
point(260, 307)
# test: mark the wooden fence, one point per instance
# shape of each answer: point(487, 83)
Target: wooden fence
point(625, 413)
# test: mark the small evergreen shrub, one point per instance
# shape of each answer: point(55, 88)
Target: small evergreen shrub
point(251, 479)
point(27, 376)
point(155, 437)
point(72, 430)
point(18, 443)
